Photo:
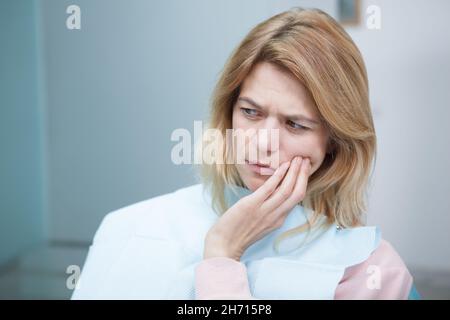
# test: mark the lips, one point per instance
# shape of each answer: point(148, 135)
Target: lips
point(260, 168)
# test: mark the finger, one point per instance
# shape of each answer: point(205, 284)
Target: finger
point(286, 187)
point(299, 191)
point(264, 191)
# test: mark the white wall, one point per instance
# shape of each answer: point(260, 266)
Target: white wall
point(408, 62)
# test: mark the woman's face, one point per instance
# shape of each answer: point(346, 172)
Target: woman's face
point(271, 98)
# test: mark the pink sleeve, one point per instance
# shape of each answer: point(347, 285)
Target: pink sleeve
point(221, 278)
point(225, 278)
point(382, 276)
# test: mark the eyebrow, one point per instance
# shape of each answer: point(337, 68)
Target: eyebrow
point(293, 117)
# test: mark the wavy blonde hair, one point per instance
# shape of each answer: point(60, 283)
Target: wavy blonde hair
point(313, 47)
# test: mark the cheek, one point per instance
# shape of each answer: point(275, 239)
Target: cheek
point(239, 121)
point(310, 147)
point(234, 120)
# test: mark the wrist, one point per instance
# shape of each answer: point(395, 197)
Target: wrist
point(216, 248)
point(218, 253)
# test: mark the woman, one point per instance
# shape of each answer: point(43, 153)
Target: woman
point(286, 224)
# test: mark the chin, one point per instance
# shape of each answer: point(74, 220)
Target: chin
point(254, 182)
point(251, 180)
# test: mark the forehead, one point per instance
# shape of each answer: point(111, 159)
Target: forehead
point(278, 90)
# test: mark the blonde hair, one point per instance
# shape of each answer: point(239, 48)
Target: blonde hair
point(313, 47)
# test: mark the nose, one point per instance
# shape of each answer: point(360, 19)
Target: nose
point(267, 140)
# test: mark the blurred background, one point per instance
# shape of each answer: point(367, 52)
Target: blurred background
point(86, 117)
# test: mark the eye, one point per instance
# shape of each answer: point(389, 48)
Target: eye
point(249, 112)
point(296, 126)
